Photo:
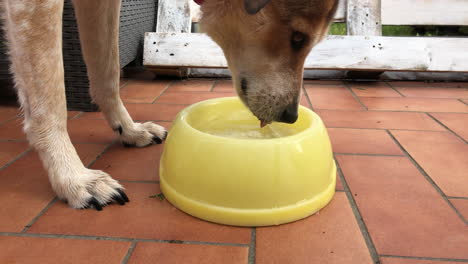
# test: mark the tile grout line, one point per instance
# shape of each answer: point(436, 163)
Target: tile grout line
point(355, 96)
point(106, 148)
point(457, 198)
point(129, 252)
point(213, 85)
point(366, 154)
point(42, 212)
point(125, 239)
point(357, 214)
point(11, 119)
point(77, 116)
point(395, 89)
point(386, 110)
point(19, 156)
point(13, 140)
point(446, 127)
point(428, 178)
point(424, 258)
point(126, 83)
point(252, 246)
point(162, 92)
point(307, 97)
point(358, 128)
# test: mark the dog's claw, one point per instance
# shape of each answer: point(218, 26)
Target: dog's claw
point(119, 199)
point(128, 145)
point(95, 204)
point(123, 195)
point(157, 140)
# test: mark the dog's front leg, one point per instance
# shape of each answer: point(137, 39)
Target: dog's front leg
point(98, 23)
point(35, 40)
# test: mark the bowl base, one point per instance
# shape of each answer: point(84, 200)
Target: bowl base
point(250, 217)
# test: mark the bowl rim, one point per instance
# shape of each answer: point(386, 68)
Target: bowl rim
point(182, 117)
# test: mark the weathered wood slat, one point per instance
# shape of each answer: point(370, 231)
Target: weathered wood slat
point(173, 16)
point(336, 52)
point(363, 18)
point(425, 12)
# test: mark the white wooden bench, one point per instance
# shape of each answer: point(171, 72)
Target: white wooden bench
point(362, 49)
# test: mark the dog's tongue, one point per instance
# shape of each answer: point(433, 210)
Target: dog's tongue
point(263, 123)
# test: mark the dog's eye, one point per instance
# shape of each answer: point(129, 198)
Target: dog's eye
point(298, 40)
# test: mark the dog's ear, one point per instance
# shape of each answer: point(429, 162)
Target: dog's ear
point(253, 6)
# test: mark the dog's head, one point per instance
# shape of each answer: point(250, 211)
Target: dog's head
point(265, 43)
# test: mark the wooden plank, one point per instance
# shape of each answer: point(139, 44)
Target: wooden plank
point(425, 12)
point(173, 16)
point(336, 52)
point(363, 18)
point(340, 15)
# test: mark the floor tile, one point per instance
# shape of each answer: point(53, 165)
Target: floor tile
point(379, 120)
point(332, 236)
point(363, 141)
point(404, 214)
point(434, 92)
point(399, 84)
point(90, 131)
point(12, 129)
point(458, 123)
point(9, 150)
point(144, 112)
point(143, 91)
point(332, 97)
point(131, 164)
point(8, 112)
point(188, 254)
point(414, 261)
point(190, 97)
point(25, 188)
point(442, 155)
point(143, 217)
point(449, 84)
point(414, 104)
point(192, 85)
point(462, 206)
point(373, 89)
point(224, 86)
point(57, 250)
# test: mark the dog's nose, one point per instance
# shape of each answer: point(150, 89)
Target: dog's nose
point(289, 114)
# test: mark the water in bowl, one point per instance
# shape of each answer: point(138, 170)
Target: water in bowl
point(253, 131)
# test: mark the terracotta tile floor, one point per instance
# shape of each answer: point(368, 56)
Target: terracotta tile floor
point(402, 190)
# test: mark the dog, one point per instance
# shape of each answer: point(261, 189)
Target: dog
point(265, 43)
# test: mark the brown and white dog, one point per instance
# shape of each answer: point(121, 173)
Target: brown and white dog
point(265, 43)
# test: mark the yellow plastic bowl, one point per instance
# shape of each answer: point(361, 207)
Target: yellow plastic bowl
point(216, 166)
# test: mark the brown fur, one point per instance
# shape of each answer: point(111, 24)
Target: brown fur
point(257, 47)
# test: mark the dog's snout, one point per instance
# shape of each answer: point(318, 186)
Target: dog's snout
point(289, 114)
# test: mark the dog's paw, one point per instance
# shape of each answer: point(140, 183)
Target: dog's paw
point(141, 135)
point(91, 189)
